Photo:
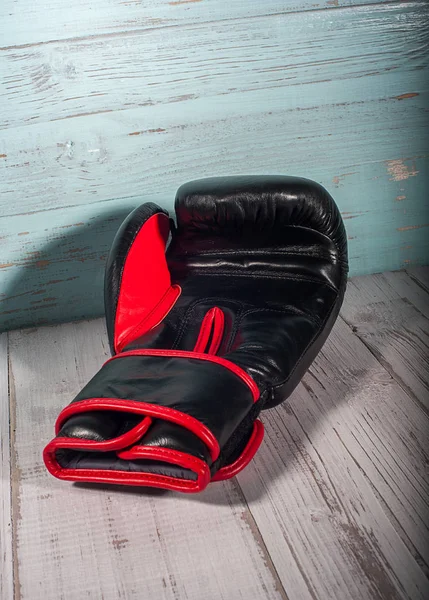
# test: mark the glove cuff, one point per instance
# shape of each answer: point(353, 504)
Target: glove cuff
point(191, 409)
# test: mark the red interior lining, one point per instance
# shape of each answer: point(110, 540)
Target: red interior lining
point(145, 293)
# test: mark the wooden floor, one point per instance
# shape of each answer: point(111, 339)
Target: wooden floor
point(334, 506)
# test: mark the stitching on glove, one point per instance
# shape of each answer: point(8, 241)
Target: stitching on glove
point(263, 275)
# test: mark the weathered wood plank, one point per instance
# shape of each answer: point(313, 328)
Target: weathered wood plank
point(337, 115)
point(97, 158)
point(60, 268)
point(421, 275)
point(32, 23)
point(390, 314)
point(77, 542)
point(217, 60)
point(340, 491)
point(6, 556)
point(52, 266)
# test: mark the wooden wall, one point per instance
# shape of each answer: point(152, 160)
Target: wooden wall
point(106, 103)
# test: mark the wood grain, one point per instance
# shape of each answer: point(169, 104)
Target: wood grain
point(340, 494)
point(334, 506)
point(390, 314)
point(58, 19)
point(75, 542)
point(6, 560)
point(99, 125)
point(420, 275)
point(274, 54)
point(60, 268)
point(54, 270)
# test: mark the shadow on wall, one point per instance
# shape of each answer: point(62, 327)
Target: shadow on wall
point(63, 280)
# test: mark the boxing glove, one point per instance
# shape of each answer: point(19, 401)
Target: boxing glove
point(206, 334)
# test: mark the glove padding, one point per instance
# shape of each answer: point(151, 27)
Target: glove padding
point(206, 335)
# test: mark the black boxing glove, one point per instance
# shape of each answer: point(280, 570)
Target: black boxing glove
point(206, 335)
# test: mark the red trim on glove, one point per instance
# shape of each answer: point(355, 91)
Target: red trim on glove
point(246, 456)
point(131, 477)
point(122, 441)
point(139, 408)
point(213, 324)
point(146, 294)
point(192, 463)
point(241, 373)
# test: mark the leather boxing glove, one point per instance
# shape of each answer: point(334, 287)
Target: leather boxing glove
point(206, 334)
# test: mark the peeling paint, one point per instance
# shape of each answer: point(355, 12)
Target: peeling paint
point(336, 180)
point(24, 233)
point(157, 130)
point(183, 97)
point(3, 155)
point(410, 227)
point(118, 544)
point(400, 198)
point(72, 225)
point(177, 2)
point(352, 215)
point(85, 114)
point(74, 250)
point(41, 264)
point(406, 96)
point(399, 170)
point(6, 265)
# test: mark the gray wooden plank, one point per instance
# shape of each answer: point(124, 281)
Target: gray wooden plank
point(390, 314)
point(36, 22)
point(77, 542)
point(6, 557)
point(421, 275)
point(341, 490)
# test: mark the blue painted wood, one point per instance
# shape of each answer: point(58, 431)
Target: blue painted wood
point(340, 96)
point(55, 268)
point(29, 22)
